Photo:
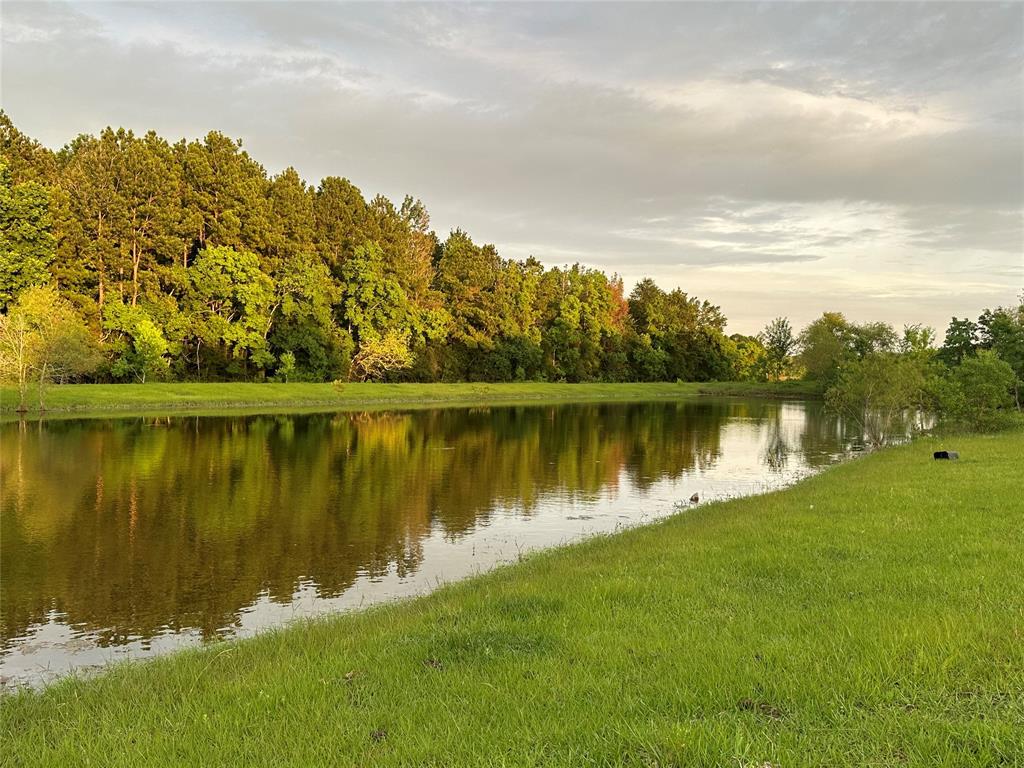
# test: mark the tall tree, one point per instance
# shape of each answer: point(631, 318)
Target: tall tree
point(292, 226)
point(343, 221)
point(230, 312)
point(303, 321)
point(961, 341)
point(826, 345)
point(27, 159)
point(90, 216)
point(224, 196)
point(686, 333)
point(27, 244)
point(150, 201)
point(467, 274)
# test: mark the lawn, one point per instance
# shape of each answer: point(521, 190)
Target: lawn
point(164, 396)
point(872, 615)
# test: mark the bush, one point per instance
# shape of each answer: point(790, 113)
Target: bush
point(884, 394)
point(978, 393)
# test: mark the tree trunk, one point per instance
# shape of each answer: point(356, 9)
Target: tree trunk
point(99, 258)
point(41, 393)
point(135, 272)
point(22, 389)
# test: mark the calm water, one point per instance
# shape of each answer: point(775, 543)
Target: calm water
point(130, 537)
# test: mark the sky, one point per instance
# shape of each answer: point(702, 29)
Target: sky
point(777, 159)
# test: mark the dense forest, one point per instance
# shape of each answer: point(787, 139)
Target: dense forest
point(188, 261)
point(128, 258)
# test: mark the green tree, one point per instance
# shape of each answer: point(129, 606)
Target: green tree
point(27, 244)
point(286, 366)
point(304, 324)
point(519, 352)
point(291, 222)
point(585, 318)
point(27, 159)
point(119, 215)
point(650, 363)
point(467, 275)
point(342, 220)
point(150, 191)
point(872, 338)
point(16, 333)
point(139, 347)
point(881, 393)
point(750, 361)
point(373, 301)
point(230, 308)
point(1002, 331)
point(779, 345)
point(418, 248)
point(42, 338)
point(90, 217)
point(688, 332)
point(979, 391)
point(961, 341)
point(917, 339)
point(225, 196)
point(826, 345)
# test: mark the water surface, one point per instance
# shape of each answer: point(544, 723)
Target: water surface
point(130, 537)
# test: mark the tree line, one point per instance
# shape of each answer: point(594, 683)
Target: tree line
point(188, 261)
point(891, 383)
point(129, 258)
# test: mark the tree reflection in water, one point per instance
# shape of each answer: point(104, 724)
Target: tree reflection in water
point(132, 528)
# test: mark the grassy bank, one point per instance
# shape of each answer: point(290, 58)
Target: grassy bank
point(873, 615)
point(164, 397)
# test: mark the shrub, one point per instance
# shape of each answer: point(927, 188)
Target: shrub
point(883, 394)
point(978, 393)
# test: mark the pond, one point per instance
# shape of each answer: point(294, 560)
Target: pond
point(126, 538)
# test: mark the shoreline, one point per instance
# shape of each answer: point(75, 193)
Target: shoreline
point(85, 399)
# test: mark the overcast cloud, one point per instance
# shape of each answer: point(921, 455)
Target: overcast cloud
point(778, 159)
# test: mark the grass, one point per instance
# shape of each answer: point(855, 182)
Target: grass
point(870, 616)
point(164, 397)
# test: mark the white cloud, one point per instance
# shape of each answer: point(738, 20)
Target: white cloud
point(777, 158)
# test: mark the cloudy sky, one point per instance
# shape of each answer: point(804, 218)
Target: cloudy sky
point(778, 159)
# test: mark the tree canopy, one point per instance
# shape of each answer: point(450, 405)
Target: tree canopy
point(189, 261)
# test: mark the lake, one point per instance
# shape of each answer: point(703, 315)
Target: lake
point(130, 537)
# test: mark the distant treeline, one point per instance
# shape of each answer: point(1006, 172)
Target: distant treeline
point(128, 258)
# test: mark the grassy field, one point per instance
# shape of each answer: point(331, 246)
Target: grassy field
point(870, 616)
point(163, 397)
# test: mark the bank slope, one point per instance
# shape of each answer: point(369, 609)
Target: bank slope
point(873, 615)
point(161, 397)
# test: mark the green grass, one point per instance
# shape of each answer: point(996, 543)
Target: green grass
point(163, 397)
point(870, 616)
